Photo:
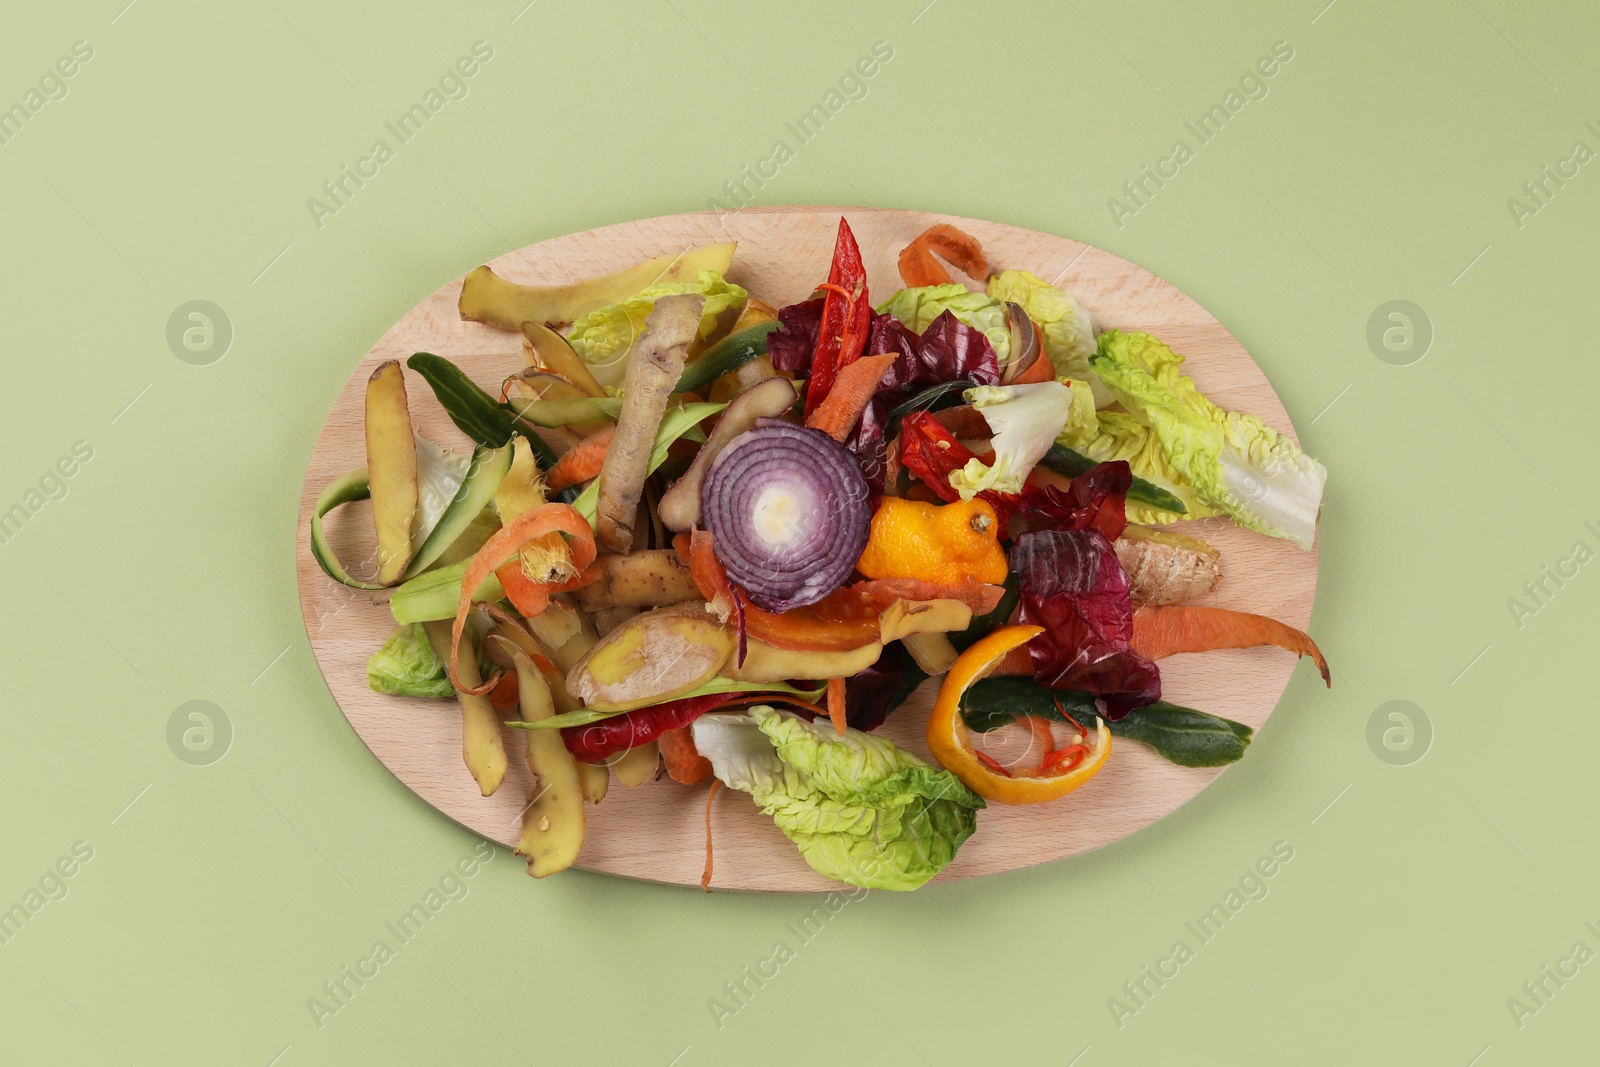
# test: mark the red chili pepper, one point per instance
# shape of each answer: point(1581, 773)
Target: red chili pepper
point(597, 741)
point(846, 315)
point(1063, 760)
point(989, 762)
point(931, 452)
point(1065, 714)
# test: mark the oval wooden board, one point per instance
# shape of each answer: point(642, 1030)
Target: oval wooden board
point(656, 831)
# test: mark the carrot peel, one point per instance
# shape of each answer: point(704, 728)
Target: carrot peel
point(682, 760)
point(836, 705)
point(500, 549)
point(1159, 632)
point(582, 463)
point(705, 878)
point(918, 267)
point(852, 391)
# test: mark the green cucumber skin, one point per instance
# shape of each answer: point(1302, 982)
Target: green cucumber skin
point(346, 489)
point(1187, 737)
point(1182, 735)
point(554, 414)
point(474, 411)
point(1065, 461)
point(435, 595)
point(725, 357)
point(484, 475)
point(477, 414)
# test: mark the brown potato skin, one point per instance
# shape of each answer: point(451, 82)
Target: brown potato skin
point(666, 652)
point(649, 579)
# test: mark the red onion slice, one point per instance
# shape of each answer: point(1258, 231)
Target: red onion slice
point(787, 510)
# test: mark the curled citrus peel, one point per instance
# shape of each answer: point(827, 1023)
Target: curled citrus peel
point(950, 742)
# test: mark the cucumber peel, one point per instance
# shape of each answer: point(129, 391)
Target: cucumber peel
point(484, 475)
point(434, 595)
point(1065, 461)
point(726, 356)
point(572, 412)
point(342, 490)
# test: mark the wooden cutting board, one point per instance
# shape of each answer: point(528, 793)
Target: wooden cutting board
point(656, 831)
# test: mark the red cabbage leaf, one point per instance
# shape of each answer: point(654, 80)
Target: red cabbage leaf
point(1073, 586)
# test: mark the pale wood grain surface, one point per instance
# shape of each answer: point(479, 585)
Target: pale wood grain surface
point(656, 831)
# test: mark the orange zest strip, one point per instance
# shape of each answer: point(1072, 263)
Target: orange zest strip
point(1159, 632)
point(705, 879)
point(836, 705)
point(852, 391)
point(502, 547)
point(582, 463)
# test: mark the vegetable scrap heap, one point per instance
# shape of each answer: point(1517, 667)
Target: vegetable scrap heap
point(710, 538)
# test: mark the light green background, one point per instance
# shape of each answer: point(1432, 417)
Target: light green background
point(1378, 167)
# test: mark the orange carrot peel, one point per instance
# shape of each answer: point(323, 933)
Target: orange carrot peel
point(1159, 632)
point(836, 705)
point(582, 463)
point(852, 391)
point(705, 878)
point(682, 760)
point(918, 267)
point(530, 597)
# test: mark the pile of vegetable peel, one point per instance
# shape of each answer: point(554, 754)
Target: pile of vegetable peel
point(707, 538)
